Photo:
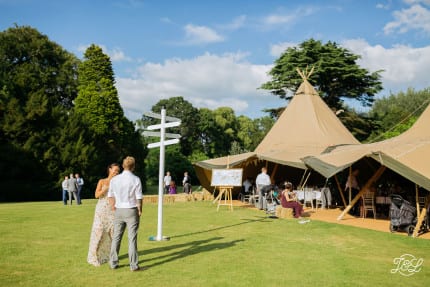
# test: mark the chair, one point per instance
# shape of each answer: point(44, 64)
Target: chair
point(369, 203)
point(421, 201)
point(308, 197)
point(319, 200)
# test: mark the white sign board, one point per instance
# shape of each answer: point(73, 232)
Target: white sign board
point(227, 177)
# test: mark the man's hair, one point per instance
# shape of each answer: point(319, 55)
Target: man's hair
point(129, 163)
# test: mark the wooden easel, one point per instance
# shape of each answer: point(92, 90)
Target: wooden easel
point(226, 192)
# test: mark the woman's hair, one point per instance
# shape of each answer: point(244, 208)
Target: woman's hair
point(112, 165)
point(288, 185)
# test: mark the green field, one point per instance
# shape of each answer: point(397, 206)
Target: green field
point(46, 244)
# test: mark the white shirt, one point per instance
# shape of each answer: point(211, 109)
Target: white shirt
point(247, 184)
point(263, 179)
point(64, 184)
point(126, 188)
point(167, 180)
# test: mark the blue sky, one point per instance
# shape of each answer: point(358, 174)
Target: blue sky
point(217, 53)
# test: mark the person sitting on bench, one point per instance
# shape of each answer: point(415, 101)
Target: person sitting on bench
point(289, 200)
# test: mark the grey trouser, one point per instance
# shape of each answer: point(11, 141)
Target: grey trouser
point(125, 217)
point(326, 197)
point(72, 193)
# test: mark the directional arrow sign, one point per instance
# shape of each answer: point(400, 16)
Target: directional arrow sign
point(166, 125)
point(158, 144)
point(158, 134)
point(157, 116)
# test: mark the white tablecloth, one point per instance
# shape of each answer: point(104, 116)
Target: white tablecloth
point(313, 194)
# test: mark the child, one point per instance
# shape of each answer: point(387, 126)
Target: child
point(172, 187)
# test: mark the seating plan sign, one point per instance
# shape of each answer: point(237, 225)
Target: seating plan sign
point(227, 177)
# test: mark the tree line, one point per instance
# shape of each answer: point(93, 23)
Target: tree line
point(60, 114)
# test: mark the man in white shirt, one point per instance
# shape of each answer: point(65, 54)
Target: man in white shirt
point(167, 180)
point(263, 182)
point(125, 197)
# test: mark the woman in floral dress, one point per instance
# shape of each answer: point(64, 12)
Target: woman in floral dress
point(102, 231)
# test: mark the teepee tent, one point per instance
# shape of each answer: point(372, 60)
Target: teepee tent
point(406, 154)
point(306, 127)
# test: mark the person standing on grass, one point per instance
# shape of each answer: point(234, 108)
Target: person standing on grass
point(186, 183)
point(102, 230)
point(263, 183)
point(167, 180)
point(125, 198)
point(80, 182)
point(64, 185)
point(72, 188)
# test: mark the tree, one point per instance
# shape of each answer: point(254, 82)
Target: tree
point(251, 132)
point(37, 87)
point(397, 113)
point(189, 116)
point(336, 74)
point(98, 105)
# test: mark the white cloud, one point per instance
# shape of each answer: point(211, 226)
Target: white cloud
point(237, 23)
point(277, 49)
point(416, 17)
point(208, 80)
point(276, 19)
point(282, 18)
point(403, 66)
point(201, 35)
point(115, 54)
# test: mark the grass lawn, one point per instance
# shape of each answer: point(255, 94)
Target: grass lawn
point(46, 244)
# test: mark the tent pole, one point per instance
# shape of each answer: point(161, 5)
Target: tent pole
point(306, 180)
point(349, 185)
point(273, 173)
point(417, 200)
point(303, 178)
point(373, 179)
point(340, 190)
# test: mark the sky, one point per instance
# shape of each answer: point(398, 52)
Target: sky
point(218, 53)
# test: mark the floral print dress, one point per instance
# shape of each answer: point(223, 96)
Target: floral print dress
point(101, 233)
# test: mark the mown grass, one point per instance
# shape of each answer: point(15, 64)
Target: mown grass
point(46, 244)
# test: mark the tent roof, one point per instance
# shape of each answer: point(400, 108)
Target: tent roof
point(405, 154)
point(306, 127)
point(226, 161)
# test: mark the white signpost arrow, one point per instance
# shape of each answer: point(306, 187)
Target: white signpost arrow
point(173, 122)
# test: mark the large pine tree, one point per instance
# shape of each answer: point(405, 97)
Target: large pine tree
point(98, 104)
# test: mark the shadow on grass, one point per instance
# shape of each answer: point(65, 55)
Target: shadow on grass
point(246, 221)
point(185, 249)
point(193, 247)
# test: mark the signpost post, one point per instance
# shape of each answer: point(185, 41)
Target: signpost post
point(172, 122)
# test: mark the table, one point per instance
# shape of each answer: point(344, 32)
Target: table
point(308, 195)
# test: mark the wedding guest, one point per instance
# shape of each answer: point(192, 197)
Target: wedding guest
point(125, 198)
point(289, 200)
point(102, 230)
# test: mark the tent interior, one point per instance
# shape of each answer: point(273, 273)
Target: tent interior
point(390, 182)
